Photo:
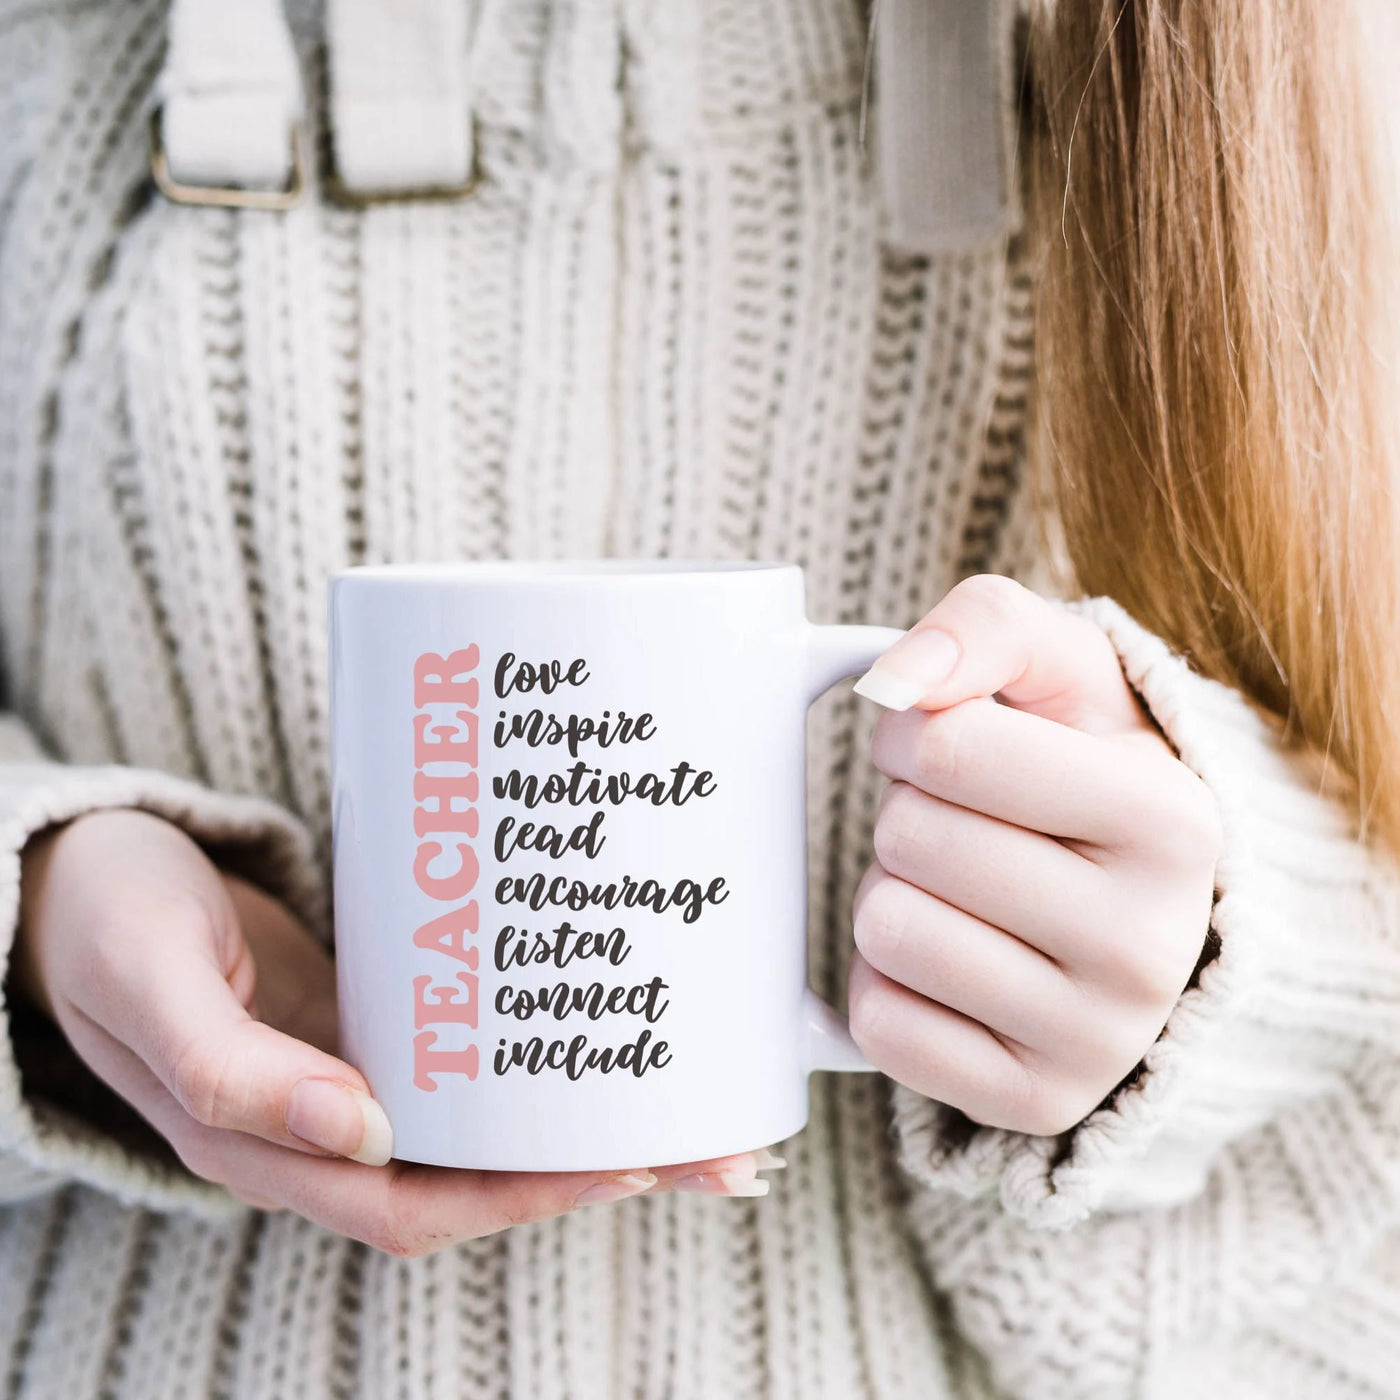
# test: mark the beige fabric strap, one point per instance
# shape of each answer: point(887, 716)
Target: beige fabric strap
point(400, 108)
point(944, 130)
point(230, 93)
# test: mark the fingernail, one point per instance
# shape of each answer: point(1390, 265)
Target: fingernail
point(618, 1188)
point(340, 1119)
point(901, 678)
point(721, 1184)
point(766, 1160)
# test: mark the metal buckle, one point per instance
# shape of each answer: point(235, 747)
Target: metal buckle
point(339, 193)
point(226, 196)
point(335, 191)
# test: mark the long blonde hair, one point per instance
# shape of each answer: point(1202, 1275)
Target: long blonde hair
point(1215, 393)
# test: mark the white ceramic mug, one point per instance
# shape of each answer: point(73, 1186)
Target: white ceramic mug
point(570, 856)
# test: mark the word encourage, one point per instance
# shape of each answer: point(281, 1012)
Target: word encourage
point(557, 777)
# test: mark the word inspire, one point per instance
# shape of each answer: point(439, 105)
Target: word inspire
point(528, 963)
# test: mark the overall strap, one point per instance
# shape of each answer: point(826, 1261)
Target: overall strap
point(400, 106)
point(945, 122)
point(231, 107)
point(402, 125)
point(230, 96)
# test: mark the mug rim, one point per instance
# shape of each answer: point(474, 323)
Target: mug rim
point(555, 571)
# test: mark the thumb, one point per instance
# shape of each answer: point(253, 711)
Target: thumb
point(290, 978)
point(990, 636)
point(230, 1071)
point(188, 1022)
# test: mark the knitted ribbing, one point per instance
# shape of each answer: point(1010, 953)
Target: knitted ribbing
point(665, 325)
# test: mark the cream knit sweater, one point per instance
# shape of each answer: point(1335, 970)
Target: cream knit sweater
point(666, 324)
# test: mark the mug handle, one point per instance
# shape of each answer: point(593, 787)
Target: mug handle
point(832, 654)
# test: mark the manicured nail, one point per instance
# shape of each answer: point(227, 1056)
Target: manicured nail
point(618, 1188)
point(766, 1160)
point(901, 678)
point(721, 1184)
point(340, 1119)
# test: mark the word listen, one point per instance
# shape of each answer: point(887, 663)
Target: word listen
point(445, 789)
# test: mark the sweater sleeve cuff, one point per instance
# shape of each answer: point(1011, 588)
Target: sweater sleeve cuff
point(1210, 1076)
point(43, 1144)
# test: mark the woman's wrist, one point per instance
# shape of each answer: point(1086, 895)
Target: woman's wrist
point(25, 976)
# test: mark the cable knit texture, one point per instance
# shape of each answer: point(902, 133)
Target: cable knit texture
point(666, 324)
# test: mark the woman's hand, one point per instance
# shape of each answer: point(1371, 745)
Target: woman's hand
point(1045, 865)
point(205, 1004)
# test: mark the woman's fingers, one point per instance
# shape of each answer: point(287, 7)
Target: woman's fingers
point(295, 976)
point(401, 1208)
point(151, 960)
point(1034, 811)
point(1035, 773)
point(944, 1055)
point(228, 1071)
point(957, 960)
point(940, 1052)
point(231, 1072)
point(990, 636)
point(409, 1209)
point(1004, 875)
point(170, 976)
point(736, 1175)
point(406, 1209)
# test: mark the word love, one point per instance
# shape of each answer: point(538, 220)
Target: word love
point(522, 677)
